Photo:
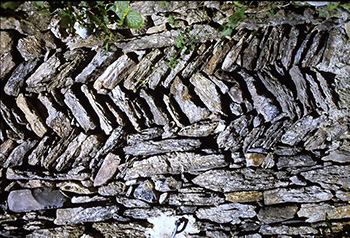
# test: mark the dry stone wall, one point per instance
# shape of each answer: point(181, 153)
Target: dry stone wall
point(248, 136)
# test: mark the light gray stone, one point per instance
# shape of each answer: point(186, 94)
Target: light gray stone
point(104, 116)
point(159, 115)
point(107, 170)
point(76, 231)
point(112, 189)
point(314, 212)
point(295, 161)
point(145, 191)
point(199, 129)
point(264, 105)
point(338, 156)
point(100, 61)
point(70, 216)
point(15, 83)
point(227, 213)
point(57, 120)
point(270, 214)
point(241, 180)
point(330, 177)
point(287, 230)
point(297, 195)
point(194, 197)
point(159, 147)
point(32, 115)
point(174, 163)
point(25, 200)
point(132, 203)
point(144, 135)
point(79, 112)
point(18, 154)
point(299, 130)
point(75, 187)
point(182, 96)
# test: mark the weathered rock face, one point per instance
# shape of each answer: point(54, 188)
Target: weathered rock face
point(246, 136)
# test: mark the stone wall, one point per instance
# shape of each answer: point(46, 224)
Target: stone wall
point(248, 136)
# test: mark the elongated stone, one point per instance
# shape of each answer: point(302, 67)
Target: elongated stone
point(295, 161)
point(159, 147)
point(181, 94)
point(57, 120)
point(195, 197)
point(227, 213)
point(174, 163)
point(314, 212)
point(17, 155)
point(59, 232)
point(264, 105)
point(144, 135)
point(17, 79)
point(135, 79)
point(301, 88)
point(241, 180)
point(25, 200)
point(207, 92)
point(75, 187)
point(244, 196)
point(338, 156)
point(123, 102)
point(272, 214)
point(69, 216)
point(100, 61)
point(287, 230)
point(15, 174)
point(65, 159)
point(118, 229)
point(199, 129)
point(5, 149)
point(114, 74)
point(105, 118)
point(159, 116)
point(38, 81)
point(330, 177)
point(78, 110)
point(132, 203)
point(299, 130)
point(112, 189)
point(298, 195)
point(32, 115)
point(107, 169)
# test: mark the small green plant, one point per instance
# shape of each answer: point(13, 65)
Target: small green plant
point(164, 4)
point(91, 17)
point(184, 41)
point(234, 20)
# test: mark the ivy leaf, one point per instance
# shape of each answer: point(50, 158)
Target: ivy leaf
point(122, 5)
point(133, 19)
point(226, 32)
point(10, 5)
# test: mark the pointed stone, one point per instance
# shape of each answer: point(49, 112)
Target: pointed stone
point(107, 170)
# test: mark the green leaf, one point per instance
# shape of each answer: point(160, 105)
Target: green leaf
point(133, 19)
point(122, 5)
point(226, 32)
point(11, 5)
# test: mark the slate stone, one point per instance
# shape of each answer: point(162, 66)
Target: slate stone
point(159, 147)
point(70, 216)
point(174, 163)
point(241, 179)
point(244, 196)
point(227, 213)
point(145, 191)
point(270, 214)
point(107, 170)
point(25, 200)
point(287, 230)
point(297, 195)
point(181, 94)
point(32, 115)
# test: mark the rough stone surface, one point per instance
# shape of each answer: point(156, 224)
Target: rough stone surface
point(303, 195)
point(107, 170)
point(227, 213)
point(243, 135)
point(272, 214)
point(25, 200)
